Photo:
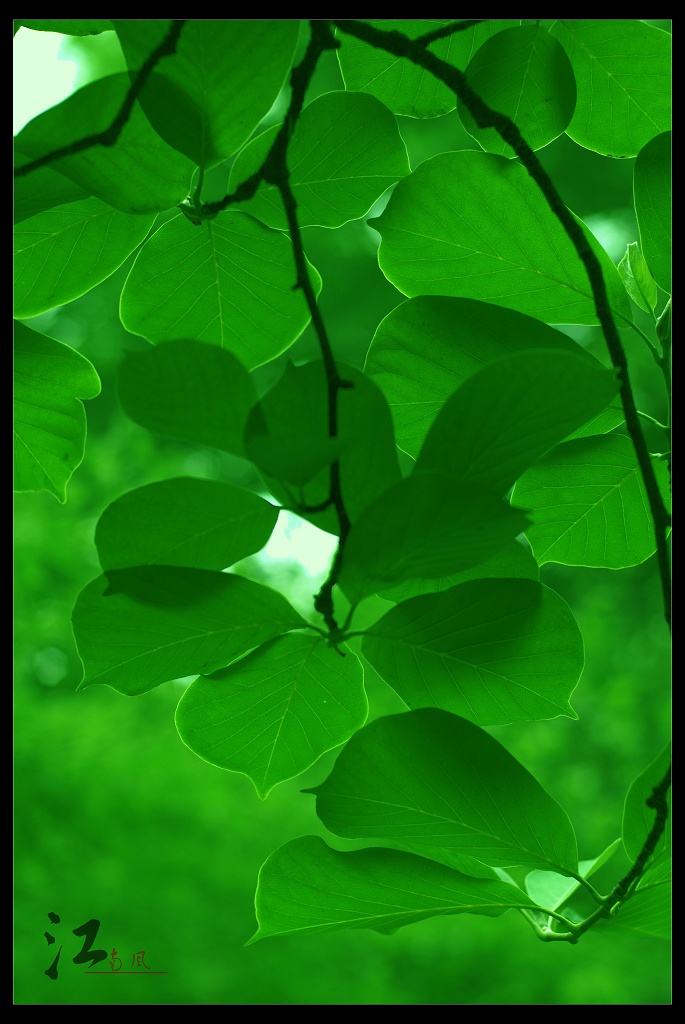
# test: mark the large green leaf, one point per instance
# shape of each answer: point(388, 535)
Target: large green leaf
point(139, 174)
point(346, 150)
point(272, 714)
point(477, 225)
point(305, 887)
point(492, 650)
point(403, 87)
point(63, 253)
point(368, 457)
point(623, 74)
point(203, 524)
point(286, 434)
point(229, 282)
point(438, 781)
point(512, 561)
point(42, 190)
point(189, 390)
point(588, 504)
point(209, 96)
point(534, 86)
point(649, 913)
point(652, 194)
point(426, 347)
point(49, 419)
point(138, 627)
point(638, 818)
point(426, 526)
point(512, 411)
point(78, 27)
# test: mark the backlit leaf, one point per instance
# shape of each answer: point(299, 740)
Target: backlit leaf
point(77, 27)
point(42, 190)
point(638, 818)
point(49, 419)
point(438, 781)
point(272, 714)
point(637, 279)
point(551, 890)
point(648, 913)
point(492, 650)
point(203, 524)
point(228, 282)
point(652, 193)
point(476, 225)
point(189, 390)
point(305, 887)
point(63, 253)
point(136, 628)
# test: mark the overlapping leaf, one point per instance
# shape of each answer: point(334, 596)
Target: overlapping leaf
point(426, 347)
point(272, 714)
point(623, 74)
point(42, 190)
point(138, 627)
point(638, 821)
point(652, 194)
point(367, 453)
point(402, 86)
point(49, 419)
point(588, 504)
point(305, 887)
point(511, 412)
point(438, 781)
point(513, 561)
point(189, 390)
point(346, 150)
point(637, 279)
point(139, 174)
point(202, 524)
point(522, 72)
point(648, 913)
point(476, 225)
point(209, 96)
point(63, 253)
point(228, 282)
point(491, 650)
point(428, 525)
point(551, 890)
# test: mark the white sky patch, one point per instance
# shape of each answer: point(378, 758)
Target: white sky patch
point(295, 539)
point(42, 76)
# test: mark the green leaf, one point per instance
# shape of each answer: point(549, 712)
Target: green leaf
point(512, 561)
point(426, 347)
point(139, 174)
point(136, 628)
point(638, 818)
point(652, 194)
point(637, 279)
point(346, 150)
point(63, 253)
point(42, 190)
point(402, 86)
point(203, 524)
point(305, 887)
point(623, 74)
point(438, 781)
point(511, 412)
point(648, 913)
point(476, 225)
point(49, 420)
point(286, 434)
point(229, 282)
point(428, 525)
point(492, 650)
point(368, 457)
point(551, 890)
point(534, 86)
point(588, 504)
point(272, 714)
point(208, 97)
point(188, 390)
point(78, 27)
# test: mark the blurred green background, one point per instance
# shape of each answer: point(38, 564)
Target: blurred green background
point(115, 819)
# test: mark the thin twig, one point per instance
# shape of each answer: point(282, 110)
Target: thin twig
point(109, 136)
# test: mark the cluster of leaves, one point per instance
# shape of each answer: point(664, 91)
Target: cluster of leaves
point(510, 428)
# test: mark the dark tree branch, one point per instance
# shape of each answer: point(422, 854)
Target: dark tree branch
point(485, 117)
point(657, 801)
point(109, 136)
point(446, 30)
